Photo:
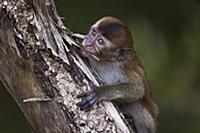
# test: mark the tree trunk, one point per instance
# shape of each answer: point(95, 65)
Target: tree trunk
point(41, 69)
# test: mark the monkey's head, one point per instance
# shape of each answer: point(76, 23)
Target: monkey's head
point(108, 37)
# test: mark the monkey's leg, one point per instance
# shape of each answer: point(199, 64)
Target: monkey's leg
point(143, 122)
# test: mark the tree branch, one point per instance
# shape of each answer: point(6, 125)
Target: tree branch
point(41, 69)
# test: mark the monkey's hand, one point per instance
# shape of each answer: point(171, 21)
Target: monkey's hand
point(127, 92)
point(89, 98)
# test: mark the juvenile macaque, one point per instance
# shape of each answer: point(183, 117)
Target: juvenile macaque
point(125, 82)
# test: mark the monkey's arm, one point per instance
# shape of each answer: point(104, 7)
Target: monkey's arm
point(123, 91)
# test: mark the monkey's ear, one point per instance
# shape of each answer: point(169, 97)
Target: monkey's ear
point(123, 54)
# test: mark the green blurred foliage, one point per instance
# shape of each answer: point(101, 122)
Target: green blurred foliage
point(167, 38)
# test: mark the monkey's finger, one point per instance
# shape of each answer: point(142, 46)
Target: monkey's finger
point(80, 95)
point(86, 100)
point(90, 96)
point(92, 85)
point(81, 103)
point(84, 106)
point(87, 103)
point(84, 94)
point(88, 106)
point(92, 102)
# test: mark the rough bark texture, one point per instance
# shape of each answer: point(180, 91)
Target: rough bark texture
point(41, 69)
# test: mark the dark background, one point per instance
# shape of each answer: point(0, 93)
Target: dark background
point(167, 37)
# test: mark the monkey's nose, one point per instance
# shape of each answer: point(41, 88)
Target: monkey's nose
point(87, 42)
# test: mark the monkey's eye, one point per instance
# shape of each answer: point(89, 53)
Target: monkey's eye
point(94, 33)
point(100, 41)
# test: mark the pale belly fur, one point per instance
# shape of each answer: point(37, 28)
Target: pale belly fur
point(110, 73)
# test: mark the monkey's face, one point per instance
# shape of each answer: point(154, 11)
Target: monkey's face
point(95, 43)
point(106, 37)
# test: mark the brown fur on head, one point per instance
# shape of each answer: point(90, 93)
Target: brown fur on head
point(115, 31)
point(109, 37)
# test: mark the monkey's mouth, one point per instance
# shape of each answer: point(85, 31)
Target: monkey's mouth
point(90, 51)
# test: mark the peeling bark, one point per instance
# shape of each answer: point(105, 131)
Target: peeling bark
point(41, 69)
